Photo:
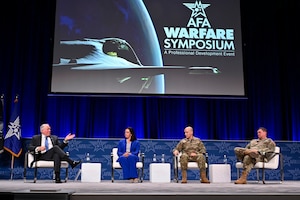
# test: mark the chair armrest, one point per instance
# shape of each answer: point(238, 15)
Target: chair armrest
point(206, 158)
point(111, 158)
point(34, 154)
point(142, 157)
point(267, 156)
point(26, 160)
point(175, 161)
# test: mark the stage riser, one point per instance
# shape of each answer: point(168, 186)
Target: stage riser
point(80, 196)
point(185, 197)
point(216, 150)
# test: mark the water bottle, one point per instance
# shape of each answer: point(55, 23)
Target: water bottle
point(87, 157)
point(225, 159)
point(154, 158)
point(162, 158)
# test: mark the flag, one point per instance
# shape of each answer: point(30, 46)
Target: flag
point(12, 140)
point(1, 123)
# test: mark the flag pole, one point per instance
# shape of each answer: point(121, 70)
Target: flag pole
point(1, 123)
point(12, 167)
point(12, 156)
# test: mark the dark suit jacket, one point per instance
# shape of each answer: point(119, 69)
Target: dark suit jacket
point(37, 139)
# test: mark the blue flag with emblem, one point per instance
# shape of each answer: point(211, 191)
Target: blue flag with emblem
point(12, 140)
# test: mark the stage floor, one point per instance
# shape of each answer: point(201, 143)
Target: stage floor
point(123, 187)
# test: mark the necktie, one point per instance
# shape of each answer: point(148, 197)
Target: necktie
point(46, 144)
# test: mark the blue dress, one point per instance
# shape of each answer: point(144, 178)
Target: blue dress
point(128, 164)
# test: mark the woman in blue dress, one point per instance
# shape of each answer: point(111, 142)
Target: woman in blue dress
point(128, 151)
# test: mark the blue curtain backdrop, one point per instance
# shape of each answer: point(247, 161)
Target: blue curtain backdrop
point(271, 58)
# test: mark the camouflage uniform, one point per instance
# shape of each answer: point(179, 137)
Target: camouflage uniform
point(188, 146)
point(262, 146)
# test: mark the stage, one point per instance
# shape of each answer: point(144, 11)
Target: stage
point(121, 190)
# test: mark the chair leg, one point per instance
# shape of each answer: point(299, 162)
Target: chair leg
point(175, 174)
point(174, 170)
point(281, 176)
point(281, 168)
point(177, 171)
point(175, 179)
point(112, 174)
point(175, 164)
point(263, 176)
point(142, 175)
point(53, 176)
point(112, 168)
point(24, 174)
point(257, 175)
point(35, 175)
point(67, 174)
point(139, 174)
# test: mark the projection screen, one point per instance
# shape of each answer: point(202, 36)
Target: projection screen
point(153, 47)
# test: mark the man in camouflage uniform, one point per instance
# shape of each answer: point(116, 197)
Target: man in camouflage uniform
point(257, 150)
point(192, 149)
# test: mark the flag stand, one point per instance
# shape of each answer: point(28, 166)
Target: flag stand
point(12, 167)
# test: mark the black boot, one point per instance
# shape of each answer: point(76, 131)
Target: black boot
point(57, 177)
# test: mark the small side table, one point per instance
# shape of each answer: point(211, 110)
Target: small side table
point(220, 173)
point(160, 172)
point(91, 172)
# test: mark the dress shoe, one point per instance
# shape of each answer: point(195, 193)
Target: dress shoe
point(57, 180)
point(136, 180)
point(75, 163)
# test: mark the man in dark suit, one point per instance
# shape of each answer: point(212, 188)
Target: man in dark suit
point(48, 147)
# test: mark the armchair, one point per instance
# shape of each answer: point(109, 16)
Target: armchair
point(275, 163)
point(32, 162)
point(116, 165)
point(191, 165)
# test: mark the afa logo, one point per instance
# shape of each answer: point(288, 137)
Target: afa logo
point(198, 17)
point(199, 35)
